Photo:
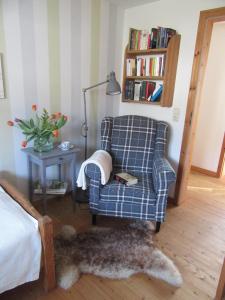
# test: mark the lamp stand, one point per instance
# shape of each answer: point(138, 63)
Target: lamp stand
point(85, 124)
point(113, 88)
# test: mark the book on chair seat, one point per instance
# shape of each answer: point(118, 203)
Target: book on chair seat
point(125, 178)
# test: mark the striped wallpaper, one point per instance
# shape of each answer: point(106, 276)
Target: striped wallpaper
point(51, 49)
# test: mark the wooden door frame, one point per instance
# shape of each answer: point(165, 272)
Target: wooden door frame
point(204, 33)
point(221, 159)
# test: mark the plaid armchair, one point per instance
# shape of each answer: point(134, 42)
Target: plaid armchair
point(137, 146)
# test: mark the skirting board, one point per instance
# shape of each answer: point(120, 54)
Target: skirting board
point(204, 171)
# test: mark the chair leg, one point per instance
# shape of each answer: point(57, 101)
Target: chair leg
point(94, 219)
point(157, 227)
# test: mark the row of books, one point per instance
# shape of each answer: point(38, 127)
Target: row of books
point(151, 65)
point(143, 90)
point(149, 39)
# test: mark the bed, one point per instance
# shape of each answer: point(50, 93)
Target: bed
point(220, 292)
point(26, 241)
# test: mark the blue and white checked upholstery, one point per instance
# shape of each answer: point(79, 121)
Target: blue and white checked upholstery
point(137, 145)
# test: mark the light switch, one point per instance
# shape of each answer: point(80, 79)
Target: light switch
point(176, 114)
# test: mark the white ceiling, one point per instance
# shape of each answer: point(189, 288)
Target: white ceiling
point(130, 3)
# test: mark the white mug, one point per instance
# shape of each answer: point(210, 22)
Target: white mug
point(65, 145)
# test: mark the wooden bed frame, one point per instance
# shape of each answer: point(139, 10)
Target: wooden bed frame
point(220, 293)
point(46, 232)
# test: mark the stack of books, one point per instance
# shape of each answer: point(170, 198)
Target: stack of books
point(143, 90)
point(149, 39)
point(54, 187)
point(149, 65)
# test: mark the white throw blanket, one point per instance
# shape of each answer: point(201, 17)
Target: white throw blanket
point(20, 244)
point(103, 160)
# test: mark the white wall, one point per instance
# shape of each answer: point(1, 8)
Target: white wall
point(182, 16)
point(211, 122)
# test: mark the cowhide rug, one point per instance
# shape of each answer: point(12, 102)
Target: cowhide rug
point(113, 253)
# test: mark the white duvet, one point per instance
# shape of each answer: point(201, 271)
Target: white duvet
point(20, 244)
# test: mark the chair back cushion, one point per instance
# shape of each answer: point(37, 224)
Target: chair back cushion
point(131, 141)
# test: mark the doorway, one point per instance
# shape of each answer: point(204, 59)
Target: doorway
point(209, 136)
point(207, 20)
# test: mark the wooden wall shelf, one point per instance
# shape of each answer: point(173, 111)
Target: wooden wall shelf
point(143, 102)
point(146, 77)
point(147, 51)
point(169, 77)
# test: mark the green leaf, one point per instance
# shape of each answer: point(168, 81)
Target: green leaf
point(24, 123)
point(27, 130)
point(31, 138)
point(32, 123)
point(21, 126)
point(61, 122)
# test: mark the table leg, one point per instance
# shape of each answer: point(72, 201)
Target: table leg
point(43, 186)
point(30, 184)
point(73, 176)
point(60, 172)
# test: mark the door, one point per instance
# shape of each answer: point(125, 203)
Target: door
point(206, 21)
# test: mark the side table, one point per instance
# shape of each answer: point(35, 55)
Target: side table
point(46, 159)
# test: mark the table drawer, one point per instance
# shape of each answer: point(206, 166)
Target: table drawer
point(59, 160)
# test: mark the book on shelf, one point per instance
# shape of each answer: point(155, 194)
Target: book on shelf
point(138, 66)
point(150, 89)
point(154, 37)
point(150, 39)
point(157, 92)
point(144, 40)
point(54, 187)
point(129, 89)
point(143, 90)
point(131, 67)
point(137, 87)
point(147, 63)
point(126, 178)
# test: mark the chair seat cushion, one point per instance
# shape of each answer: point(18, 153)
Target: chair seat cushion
point(141, 193)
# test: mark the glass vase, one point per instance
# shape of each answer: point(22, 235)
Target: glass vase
point(43, 144)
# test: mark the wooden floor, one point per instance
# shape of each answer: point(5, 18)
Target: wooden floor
point(193, 236)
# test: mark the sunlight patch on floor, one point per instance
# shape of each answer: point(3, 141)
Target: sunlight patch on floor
point(189, 187)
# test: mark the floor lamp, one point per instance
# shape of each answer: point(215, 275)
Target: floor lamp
point(112, 88)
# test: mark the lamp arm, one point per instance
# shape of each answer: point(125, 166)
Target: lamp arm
point(85, 124)
point(95, 85)
point(84, 128)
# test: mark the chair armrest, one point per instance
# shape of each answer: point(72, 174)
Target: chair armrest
point(163, 176)
point(163, 173)
point(98, 169)
point(93, 172)
point(99, 165)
